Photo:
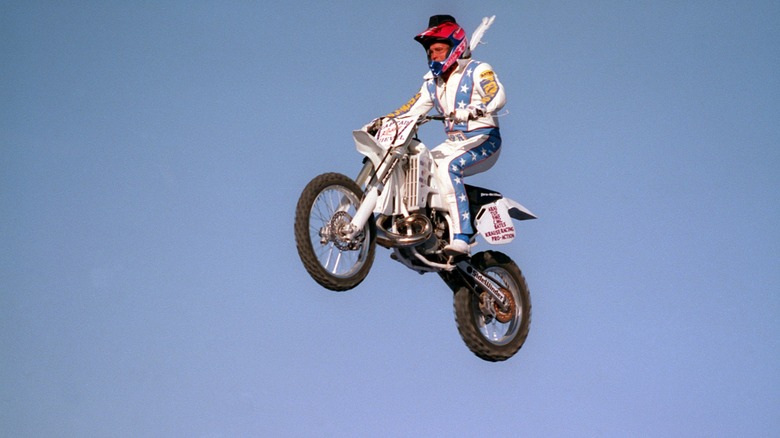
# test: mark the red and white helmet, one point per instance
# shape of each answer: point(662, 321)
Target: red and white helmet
point(444, 29)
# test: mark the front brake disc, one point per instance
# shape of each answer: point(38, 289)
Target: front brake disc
point(339, 228)
point(505, 316)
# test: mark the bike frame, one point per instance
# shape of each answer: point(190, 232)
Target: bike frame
point(409, 192)
point(395, 142)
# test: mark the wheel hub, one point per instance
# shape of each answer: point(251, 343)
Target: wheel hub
point(338, 230)
point(490, 308)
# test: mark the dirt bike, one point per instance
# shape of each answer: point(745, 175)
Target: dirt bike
point(395, 202)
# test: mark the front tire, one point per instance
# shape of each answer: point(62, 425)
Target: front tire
point(486, 336)
point(325, 207)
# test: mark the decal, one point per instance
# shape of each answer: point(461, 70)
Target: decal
point(486, 282)
point(394, 132)
point(406, 107)
point(456, 136)
point(489, 86)
point(487, 74)
point(495, 226)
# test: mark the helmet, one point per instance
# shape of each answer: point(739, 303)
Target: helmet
point(444, 29)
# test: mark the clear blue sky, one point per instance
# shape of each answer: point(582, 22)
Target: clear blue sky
point(151, 155)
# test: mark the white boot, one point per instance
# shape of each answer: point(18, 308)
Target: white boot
point(457, 248)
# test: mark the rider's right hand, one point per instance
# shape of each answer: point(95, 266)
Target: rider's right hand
point(471, 112)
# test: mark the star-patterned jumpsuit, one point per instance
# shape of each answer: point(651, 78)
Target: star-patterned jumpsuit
point(471, 147)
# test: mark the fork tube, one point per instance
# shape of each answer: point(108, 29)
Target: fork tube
point(365, 173)
point(364, 211)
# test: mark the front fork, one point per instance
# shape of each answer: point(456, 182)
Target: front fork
point(367, 205)
point(349, 233)
point(365, 173)
point(363, 212)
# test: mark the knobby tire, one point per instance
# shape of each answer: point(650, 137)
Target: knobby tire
point(303, 237)
point(468, 315)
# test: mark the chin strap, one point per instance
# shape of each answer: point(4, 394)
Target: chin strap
point(476, 37)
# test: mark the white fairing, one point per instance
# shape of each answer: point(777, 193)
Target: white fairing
point(494, 223)
point(494, 220)
point(367, 145)
point(393, 132)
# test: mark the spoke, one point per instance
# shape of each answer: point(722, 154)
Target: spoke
point(336, 265)
point(323, 213)
point(331, 201)
point(333, 207)
point(329, 254)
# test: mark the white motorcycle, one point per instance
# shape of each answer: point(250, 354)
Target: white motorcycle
point(395, 201)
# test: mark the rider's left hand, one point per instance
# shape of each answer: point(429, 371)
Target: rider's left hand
point(373, 126)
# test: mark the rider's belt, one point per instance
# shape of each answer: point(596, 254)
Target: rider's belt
point(456, 136)
point(461, 135)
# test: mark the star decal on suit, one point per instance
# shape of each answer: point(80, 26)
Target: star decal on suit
point(462, 161)
point(464, 88)
point(463, 197)
point(461, 104)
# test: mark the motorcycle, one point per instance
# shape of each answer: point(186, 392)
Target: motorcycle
point(395, 202)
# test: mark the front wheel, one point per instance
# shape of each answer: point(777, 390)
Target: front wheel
point(494, 335)
point(333, 259)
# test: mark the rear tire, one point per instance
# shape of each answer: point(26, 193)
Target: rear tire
point(328, 202)
point(486, 337)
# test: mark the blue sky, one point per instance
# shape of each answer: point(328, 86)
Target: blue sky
point(151, 155)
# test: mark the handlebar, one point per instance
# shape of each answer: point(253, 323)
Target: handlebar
point(428, 118)
point(424, 119)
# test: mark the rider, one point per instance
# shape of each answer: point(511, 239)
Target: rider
point(469, 94)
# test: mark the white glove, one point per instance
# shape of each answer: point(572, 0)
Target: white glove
point(373, 126)
point(471, 112)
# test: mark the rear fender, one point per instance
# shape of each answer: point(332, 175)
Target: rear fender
point(517, 210)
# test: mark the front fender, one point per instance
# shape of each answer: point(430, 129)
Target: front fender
point(367, 145)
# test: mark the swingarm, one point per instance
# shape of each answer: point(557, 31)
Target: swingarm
point(495, 291)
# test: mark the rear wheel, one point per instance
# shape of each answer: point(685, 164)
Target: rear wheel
point(494, 334)
point(322, 217)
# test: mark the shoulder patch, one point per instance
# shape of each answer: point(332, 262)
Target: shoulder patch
point(487, 74)
point(489, 86)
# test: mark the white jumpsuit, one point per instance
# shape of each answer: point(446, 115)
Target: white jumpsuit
point(471, 147)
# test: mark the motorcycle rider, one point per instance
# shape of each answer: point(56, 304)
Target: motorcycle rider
point(469, 93)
